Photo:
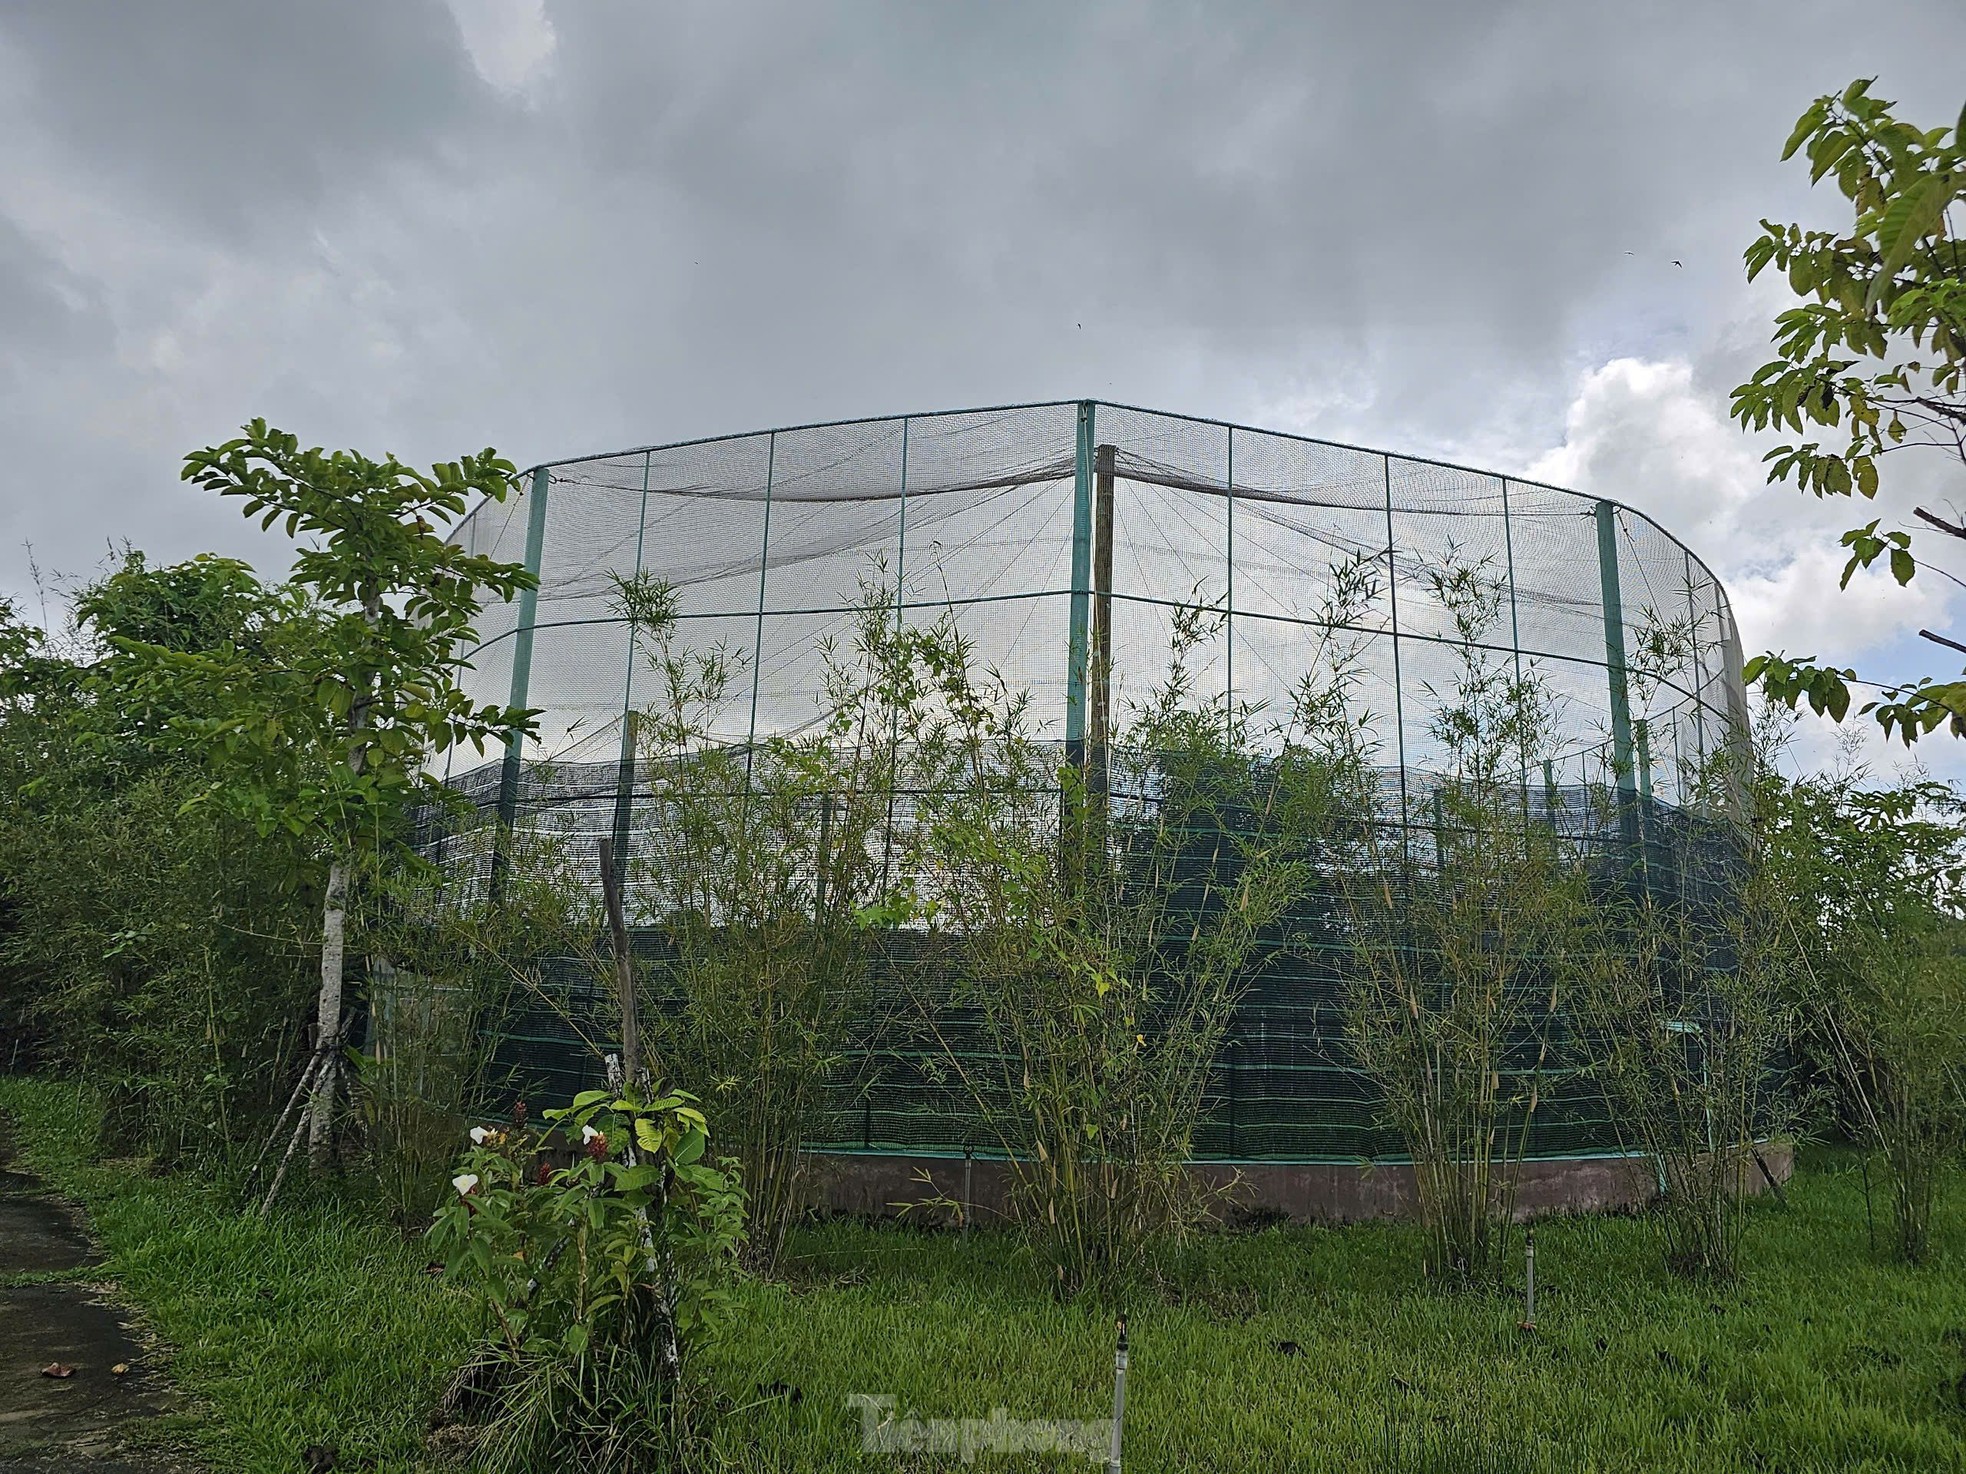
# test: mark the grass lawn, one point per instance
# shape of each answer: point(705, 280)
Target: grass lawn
point(321, 1326)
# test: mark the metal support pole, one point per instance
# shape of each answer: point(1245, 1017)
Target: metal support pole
point(1099, 719)
point(1515, 623)
point(758, 639)
point(900, 607)
point(522, 639)
point(1614, 661)
point(1229, 581)
point(1399, 701)
point(632, 1074)
point(1075, 671)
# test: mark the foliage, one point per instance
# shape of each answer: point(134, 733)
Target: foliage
point(1456, 974)
point(413, 1083)
point(1880, 877)
point(597, 1276)
point(371, 688)
point(1904, 1023)
point(1686, 975)
point(1099, 940)
point(145, 940)
point(452, 968)
point(1874, 353)
point(762, 857)
point(324, 735)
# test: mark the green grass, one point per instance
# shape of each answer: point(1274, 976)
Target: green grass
point(1826, 1357)
point(318, 1326)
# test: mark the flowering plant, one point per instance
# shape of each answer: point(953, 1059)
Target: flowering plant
point(632, 1241)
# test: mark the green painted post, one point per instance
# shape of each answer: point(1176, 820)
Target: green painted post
point(1399, 696)
point(1229, 562)
point(1075, 675)
point(900, 616)
point(1515, 621)
point(1694, 623)
point(758, 640)
point(1614, 662)
point(508, 778)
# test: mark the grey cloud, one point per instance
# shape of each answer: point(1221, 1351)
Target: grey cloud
point(221, 113)
point(1400, 223)
point(45, 308)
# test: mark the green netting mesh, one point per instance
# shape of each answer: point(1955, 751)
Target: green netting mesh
point(766, 540)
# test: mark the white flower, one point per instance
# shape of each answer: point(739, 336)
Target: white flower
point(480, 1135)
point(466, 1183)
point(587, 1134)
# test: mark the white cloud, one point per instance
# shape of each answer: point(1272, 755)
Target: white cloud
point(1647, 433)
point(510, 42)
point(1651, 434)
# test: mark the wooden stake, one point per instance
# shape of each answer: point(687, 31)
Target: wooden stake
point(279, 1125)
point(624, 970)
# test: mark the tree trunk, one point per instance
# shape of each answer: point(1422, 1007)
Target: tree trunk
point(327, 1019)
point(327, 1015)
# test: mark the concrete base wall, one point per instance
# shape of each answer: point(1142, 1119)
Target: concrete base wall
point(931, 1188)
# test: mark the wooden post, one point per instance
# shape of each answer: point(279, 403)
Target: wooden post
point(624, 970)
point(824, 860)
point(624, 794)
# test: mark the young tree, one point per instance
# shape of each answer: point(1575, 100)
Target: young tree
point(1684, 976)
point(322, 726)
point(1874, 353)
point(1454, 986)
point(1881, 880)
point(1101, 924)
point(764, 856)
point(144, 943)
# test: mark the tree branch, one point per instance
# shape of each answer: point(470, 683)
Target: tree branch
point(1942, 640)
point(1954, 528)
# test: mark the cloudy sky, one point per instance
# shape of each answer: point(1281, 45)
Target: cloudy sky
point(1507, 234)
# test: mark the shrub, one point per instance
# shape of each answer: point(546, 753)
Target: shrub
point(596, 1278)
point(1453, 981)
point(1100, 923)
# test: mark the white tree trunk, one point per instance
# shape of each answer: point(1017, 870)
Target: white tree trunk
point(327, 1018)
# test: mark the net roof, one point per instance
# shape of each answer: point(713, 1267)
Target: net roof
point(767, 537)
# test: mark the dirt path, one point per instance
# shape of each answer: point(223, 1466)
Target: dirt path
point(83, 1421)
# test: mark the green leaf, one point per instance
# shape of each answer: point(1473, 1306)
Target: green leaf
point(1909, 218)
point(1808, 123)
point(1839, 701)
